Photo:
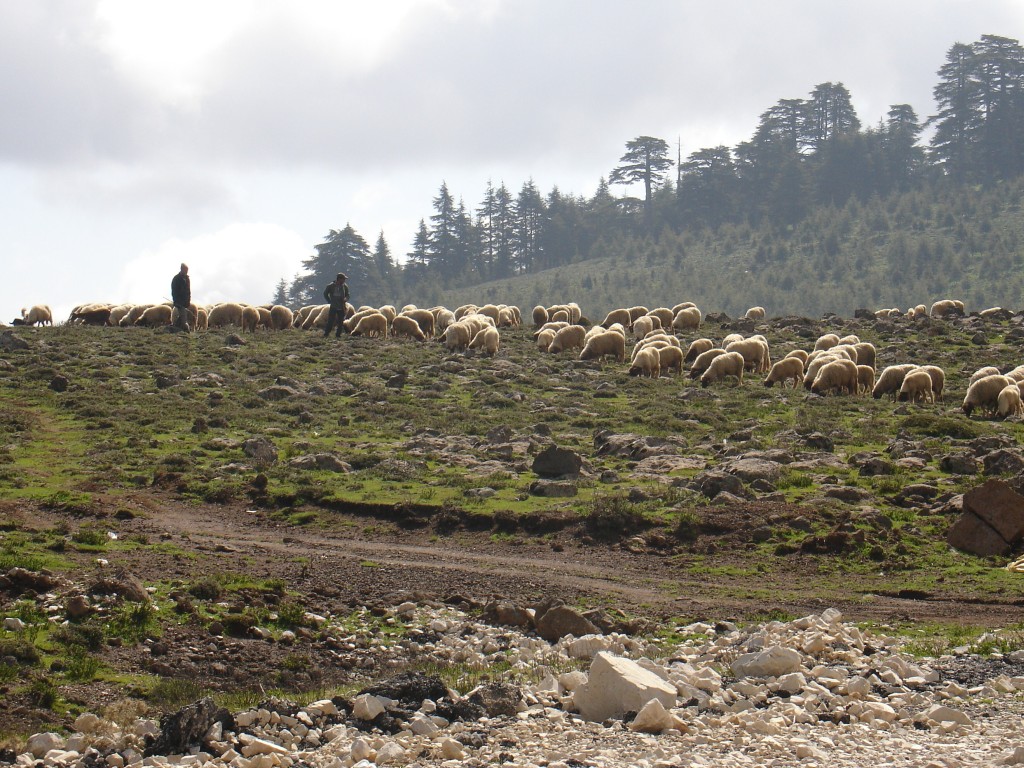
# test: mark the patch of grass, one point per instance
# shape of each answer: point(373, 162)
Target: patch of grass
point(133, 622)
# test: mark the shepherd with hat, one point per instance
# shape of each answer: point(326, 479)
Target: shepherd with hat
point(336, 294)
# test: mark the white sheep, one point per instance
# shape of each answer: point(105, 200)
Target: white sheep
point(620, 316)
point(730, 339)
point(671, 358)
point(38, 314)
point(817, 361)
point(644, 325)
point(865, 378)
point(754, 352)
point(754, 313)
point(646, 363)
point(457, 336)
point(703, 360)
point(851, 339)
point(487, 340)
point(866, 353)
point(697, 346)
point(916, 387)
point(826, 341)
point(891, 379)
point(155, 316)
point(981, 373)
point(567, 338)
point(947, 307)
point(786, 369)
point(1008, 403)
point(722, 366)
point(544, 339)
point(938, 377)
point(424, 318)
point(228, 313)
point(606, 344)
point(250, 318)
point(983, 394)
point(664, 314)
point(801, 354)
point(687, 319)
point(281, 317)
point(403, 325)
point(836, 376)
point(372, 325)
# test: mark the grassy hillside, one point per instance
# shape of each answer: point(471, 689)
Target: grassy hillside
point(905, 250)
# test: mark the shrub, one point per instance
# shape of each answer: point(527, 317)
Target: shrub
point(614, 517)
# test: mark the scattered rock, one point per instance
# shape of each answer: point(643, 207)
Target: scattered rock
point(187, 728)
point(557, 462)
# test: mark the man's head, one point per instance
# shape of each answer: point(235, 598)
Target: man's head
point(184, 269)
point(342, 277)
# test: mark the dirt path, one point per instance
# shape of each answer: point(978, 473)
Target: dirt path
point(359, 561)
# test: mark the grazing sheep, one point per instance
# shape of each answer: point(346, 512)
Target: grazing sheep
point(540, 316)
point(991, 312)
point(754, 352)
point(489, 310)
point(646, 363)
point(786, 369)
point(664, 314)
point(281, 317)
point(800, 353)
point(851, 339)
point(866, 353)
point(726, 364)
point(671, 359)
point(155, 316)
point(1017, 374)
point(754, 313)
point(38, 314)
point(655, 343)
point(620, 316)
point(703, 360)
point(604, 344)
point(836, 376)
point(815, 362)
point(947, 307)
point(560, 316)
point(424, 318)
point(865, 378)
point(302, 314)
point(250, 319)
point(938, 377)
point(827, 341)
point(696, 347)
point(890, 380)
point(687, 319)
point(731, 338)
point(391, 313)
point(457, 336)
point(506, 318)
point(117, 313)
point(916, 387)
point(553, 327)
point(318, 318)
point(228, 314)
point(1008, 403)
point(202, 319)
point(487, 340)
point(546, 336)
point(91, 314)
point(351, 322)
point(682, 305)
point(406, 326)
point(637, 311)
point(443, 317)
point(644, 325)
point(981, 373)
point(373, 325)
point(570, 337)
point(984, 393)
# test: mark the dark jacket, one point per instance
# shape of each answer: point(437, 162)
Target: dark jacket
point(181, 290)
point(336, 294)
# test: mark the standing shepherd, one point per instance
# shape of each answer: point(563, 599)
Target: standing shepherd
point(181, 298)
point(336, 294)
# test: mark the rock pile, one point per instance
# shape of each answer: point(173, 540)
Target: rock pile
point(812, 691)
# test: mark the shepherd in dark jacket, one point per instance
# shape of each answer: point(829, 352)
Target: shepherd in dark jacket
point(336, 294)
point(181, 298)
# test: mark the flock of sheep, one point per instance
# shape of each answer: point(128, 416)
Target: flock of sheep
point(834, 366)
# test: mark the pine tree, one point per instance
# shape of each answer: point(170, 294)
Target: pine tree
point(342, 251)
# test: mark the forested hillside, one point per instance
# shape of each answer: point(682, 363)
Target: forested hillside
point(814, 213)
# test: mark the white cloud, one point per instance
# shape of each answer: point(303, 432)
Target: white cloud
point(242, 262)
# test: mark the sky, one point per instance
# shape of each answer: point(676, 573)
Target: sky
point(234, 135)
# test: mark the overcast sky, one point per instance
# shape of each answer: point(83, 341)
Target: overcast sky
point(235, 134)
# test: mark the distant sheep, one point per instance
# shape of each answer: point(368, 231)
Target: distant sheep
point(938, 377)
point(540, 316)
point(730, 339)
point(406, 326)
point(546, 336)
point(786, 369)
point(703, 360)
point(225, 314)
point(801, 354)
point(1008, 402)
point(947, 308)
point(424, 318)
point(457, 336)
point(644, 325)
point(754, 313)
point(250, 319)
point(155, 316)
point(697, 346)
point(984, 394)
point(280, 317)
point(826, 341)
point(723, 366)
point(487, 340)
point(890, 380)
point(865, 379)
point(620, 316)
point(754, 353)
point(836, 376)
point(815, 362)
point(646, 363)
point(981, 373)
point(664, 314)
point(374, 325)
point(866, 353)
point(605, 344)
point(38, 314)
point(570, 337)
point(916, 387)
point(687, 319)
point(671, 359)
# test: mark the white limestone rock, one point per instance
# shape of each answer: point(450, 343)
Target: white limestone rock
point(618, 685)
point(41, 743)
point(771, 662)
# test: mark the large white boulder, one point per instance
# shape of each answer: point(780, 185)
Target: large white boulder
point(771, 662)
point(617, 685)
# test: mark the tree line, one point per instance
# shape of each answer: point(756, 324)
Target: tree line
point(805, 155)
